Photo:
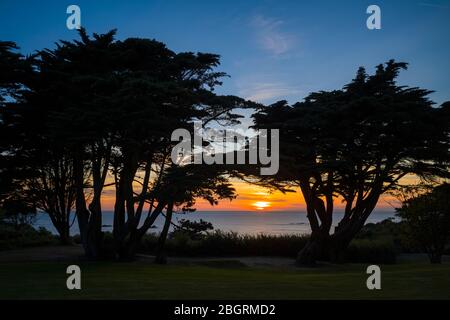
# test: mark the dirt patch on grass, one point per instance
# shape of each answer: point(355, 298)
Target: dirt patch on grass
point(47, 253)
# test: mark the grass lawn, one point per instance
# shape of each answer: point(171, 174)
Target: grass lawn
point(106, 280)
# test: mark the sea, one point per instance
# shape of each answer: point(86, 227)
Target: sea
point(242, 222)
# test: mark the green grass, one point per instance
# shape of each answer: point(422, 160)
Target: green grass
point(105, 280)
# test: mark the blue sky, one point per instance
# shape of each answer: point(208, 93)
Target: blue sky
point(271, 49)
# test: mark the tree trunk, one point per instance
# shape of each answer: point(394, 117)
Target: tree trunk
point(435, 258)
point(317, 248)
point(332, 248)
point(64, 236)
point(160, 254)
point(80, 202)
point(308, 255)
point(95, 234)
point(62, 227)
point(323, 248)
point(126, 248)
point(337, 248)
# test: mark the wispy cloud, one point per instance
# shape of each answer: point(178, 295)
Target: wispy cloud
point(271, 36)
point(433, 5)
point(268, 92)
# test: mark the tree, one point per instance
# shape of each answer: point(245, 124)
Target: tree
point(11, 80)
point(167, 92)
point(15, 205)
point(36, 164)
point(354, 145)
point(106, 110)
point(427, 220)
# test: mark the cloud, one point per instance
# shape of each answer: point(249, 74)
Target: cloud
point(270, 36)
point(433, 5)
point(268, 92)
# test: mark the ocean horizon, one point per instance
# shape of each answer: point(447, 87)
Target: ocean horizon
point(242, 222)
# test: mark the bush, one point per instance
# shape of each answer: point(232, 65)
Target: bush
point(227, 244)
point(219, 243)
point(196, 230)
point(389, 232)
point(427, 220)
point(372, 246)
point(12, 237)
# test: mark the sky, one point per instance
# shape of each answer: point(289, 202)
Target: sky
point(272, 50)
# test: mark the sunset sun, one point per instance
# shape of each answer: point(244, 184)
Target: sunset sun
point(261, 205)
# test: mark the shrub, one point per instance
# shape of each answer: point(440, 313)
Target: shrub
point(12, 237)
point(227, 244)
point(194, 229)
point(388, 231)
point(222, 244)
point(427, 220)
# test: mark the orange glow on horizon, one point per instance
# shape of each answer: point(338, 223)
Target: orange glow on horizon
point(255, 198)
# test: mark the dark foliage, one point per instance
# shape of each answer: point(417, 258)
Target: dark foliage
point(194, 229)
point(355, 144)
point(426, 219)
point(13, 236)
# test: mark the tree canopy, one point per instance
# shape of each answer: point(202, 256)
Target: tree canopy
point(99, 113)
point(355, 144)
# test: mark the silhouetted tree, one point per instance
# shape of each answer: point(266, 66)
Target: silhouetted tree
point(160, 92)
point(38, 159)
point(355, 144)
point(106, 110)
point(15, 203)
